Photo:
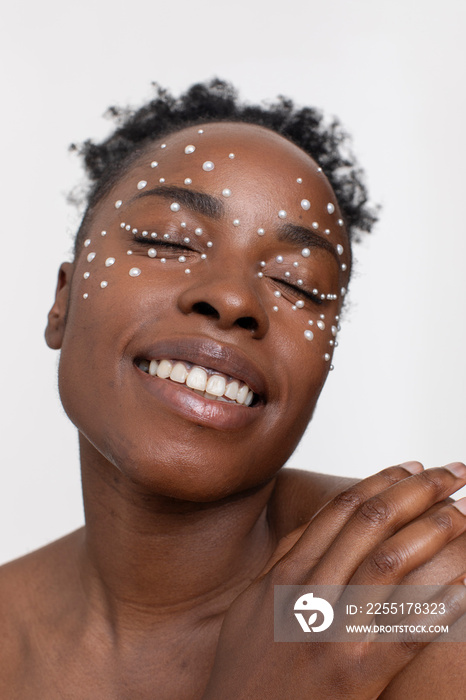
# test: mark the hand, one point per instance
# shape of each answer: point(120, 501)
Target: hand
point(366, 535)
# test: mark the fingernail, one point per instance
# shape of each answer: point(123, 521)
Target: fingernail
point(413, 467)
point(461, 505)
point(456, 468)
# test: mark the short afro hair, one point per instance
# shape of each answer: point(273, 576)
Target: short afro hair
point(217, 101)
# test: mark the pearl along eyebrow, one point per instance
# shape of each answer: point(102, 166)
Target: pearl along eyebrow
point(196, 201)
point(307, 237)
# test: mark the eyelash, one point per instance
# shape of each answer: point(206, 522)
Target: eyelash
point(151, 242)
point(300, 292)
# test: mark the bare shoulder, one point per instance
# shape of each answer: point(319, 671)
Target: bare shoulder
point(29, 587)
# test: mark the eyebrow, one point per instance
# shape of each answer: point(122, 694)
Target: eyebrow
point(196, 201)
point(302, 235)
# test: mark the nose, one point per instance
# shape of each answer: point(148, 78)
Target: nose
point(230, 300)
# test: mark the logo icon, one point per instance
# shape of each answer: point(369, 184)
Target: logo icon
point(312, 605)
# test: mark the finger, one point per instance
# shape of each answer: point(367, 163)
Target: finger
point(381, 516)
point(416, 544)
point(333, 515)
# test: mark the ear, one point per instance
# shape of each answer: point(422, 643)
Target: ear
point(56, 319)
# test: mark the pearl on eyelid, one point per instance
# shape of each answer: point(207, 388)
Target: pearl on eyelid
point(282, 214)
point(188, 181)
point(162, 180)
point(305, 253)
point(175, 206)
point(152, 253)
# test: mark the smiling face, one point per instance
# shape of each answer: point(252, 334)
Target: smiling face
point(203, 311)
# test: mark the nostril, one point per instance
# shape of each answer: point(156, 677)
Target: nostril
point(248, 323)
point(205, 309)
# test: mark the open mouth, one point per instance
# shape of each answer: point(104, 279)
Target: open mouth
point(206, 382)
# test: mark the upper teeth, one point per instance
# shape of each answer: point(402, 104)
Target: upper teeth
point(215, 386)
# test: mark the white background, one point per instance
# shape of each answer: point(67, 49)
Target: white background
point(394, 71)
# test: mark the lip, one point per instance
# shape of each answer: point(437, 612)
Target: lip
point(210, 354)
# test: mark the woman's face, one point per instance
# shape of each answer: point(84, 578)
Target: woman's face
point(220, 253)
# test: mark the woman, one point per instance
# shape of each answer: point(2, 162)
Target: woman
point(196, 326)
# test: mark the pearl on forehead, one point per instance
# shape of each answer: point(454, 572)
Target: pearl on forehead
point(235, 222)
point(282, 214)
point(103, 284)
point(85, 295)
point(198, 231)
point(226, 192)
point(103, 233)
point(330, 208)
point(109, 262)
point(142, 184)
point(122, 225)
point(118, 203)
point(90, 257)
point(232, 155)
point(294, 307)
point(134, 272)
point(154, 164)
point(299, 180)
point(189, 149)
point(319, 170)
point(86, 275)
point(152, 253)
point(187, 181)
point(87, 242)
point(208, 166)
point(162, 180)
point(175, 206)
point(260, 231)
point(309, 335)
point(331, 368)
point(340, 249)
point(305, 253)
point(305, 204)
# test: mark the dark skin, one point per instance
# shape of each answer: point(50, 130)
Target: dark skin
point(189, 522)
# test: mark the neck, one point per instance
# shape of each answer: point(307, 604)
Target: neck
point(147, 556)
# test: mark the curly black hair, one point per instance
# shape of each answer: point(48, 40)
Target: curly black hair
point(217, 101)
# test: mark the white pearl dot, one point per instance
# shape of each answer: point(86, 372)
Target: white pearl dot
point(200, 131)
point(330, 208)
point(340, 249)
point(186, 240)
point(279, 258)
point(90, 257)
point(305, 252)
point(321, 325)
point(164, 145)
point(275, 308)
point(183, 224)
point(166, 236)
point(198, 231)
point(182, 258)
point(163, 260)
point(175, 206)
point(340, 222)
point(226, 192)
point(154, 164)
point(209, 244)
point(300, 304)
point(187, 181)
point(343, 291)
point(282, 214)
point(135, 231)
point(326, 357)
point(235, 222)
point(327, 231)
point(152, 253)
point(311, 322)
point(103, 233)
point(315, 225)
point(134, 272)
point(153, 234)
point(295, 264)
point(118, 203)
point(231, 156)
point(294, 307)
point(189, 149)
point(309, 335)
point(87, 242)
point(85, 295)
point(203, 256)
point(260, 274)
point(331, 368)
point(129, 252)
point(162, 180)
point(262, 263)
point(300, 282)
point(305, 204)
point(86, 275)
point(334, 330)
point(319, 170)
point(103, 284)
point(260, 231)
point(299, 180)
point(208, 166)
point(128, 227)
point(287, 274)
point(142, 184)
point(343, 266)
point(109, 262)
point(277, 293)
point(187, 270)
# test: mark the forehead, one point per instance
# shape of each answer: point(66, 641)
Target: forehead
point(234, 151)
